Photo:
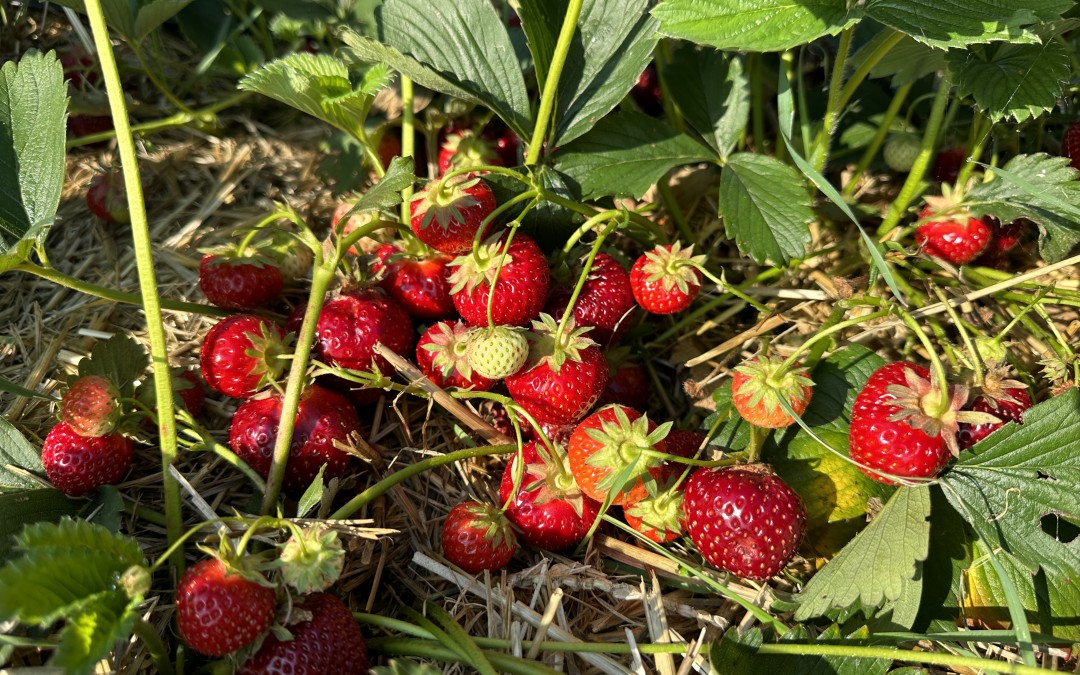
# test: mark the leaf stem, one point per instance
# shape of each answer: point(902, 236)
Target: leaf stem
point(551, 84)
point(408, 137)
point(159, 654)
point(177, 120)
point(879, 138)
point(829, 332)
point(897, 654)
point(156, 81)
point(833, 107)
point(587, 267)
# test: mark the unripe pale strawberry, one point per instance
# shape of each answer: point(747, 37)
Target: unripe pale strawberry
point(497, 352)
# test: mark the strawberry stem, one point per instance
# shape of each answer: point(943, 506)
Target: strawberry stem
point(879, 139)
point(935, 360)
point(551, 82)
point(586, 269)
point(976, 358)
point(408, 138)
point(159, 654)
point(827, 333)
point(723, 287)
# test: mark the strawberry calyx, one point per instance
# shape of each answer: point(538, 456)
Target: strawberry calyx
point(997, 388)
point(480, 266)
point(919, 402)
point(493, 522)
point(770, 382)
point(267, 352)
point(552, 480)
point(660, 511)
point(469, 150)
point(450, 347)
point(444, 201)
point(674, 267)
point(312, 559)
point(626, 448)
point(551, 347)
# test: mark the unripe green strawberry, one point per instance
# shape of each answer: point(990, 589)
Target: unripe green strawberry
point(290, 255)
point(91, 406)
point(901, 150)
point(497, 352)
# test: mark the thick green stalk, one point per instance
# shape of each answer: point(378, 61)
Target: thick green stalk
point(868, 64)
point(177, 120)
point(905, 655)
point(159, 654)
point(551, 85)
point(976, 144)
point(408, 138)
point(144, 264)
point(832, 109)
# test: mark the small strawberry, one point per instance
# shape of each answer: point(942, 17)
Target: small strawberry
point(746, 521)
point(447, 215)
point(901, 150)
point(91, 406)
point(950, 232)
point(420, 285)
point(80, 69)
point(497, 352)
point(1005, 399)
point(948, 163)
point(322, 418)
point(1003, 239)
point(1070, 145)
point(325, 639)
point(356, 221)
point(390, 147)
point(658, 516)
point(760, 383)
point(646, 92)
point(442, 354)
point(86, 125)
point(239, 282)
point(564, 376)
point(289, 254)
point(616, 443)
point(605, 302)
point(520, 290)
point(477, 537)
point(106, 198)
point(242, 355)
point(548, 508)
point(352, 323)
point(188, 390)
point(627, 383)
point(665, 280)
point(220, 609)
point(464, 149)
point(77, 464)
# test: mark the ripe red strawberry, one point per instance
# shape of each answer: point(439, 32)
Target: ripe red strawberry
point(80, 69)
point(106, 199)
point(1003, 398)
point(477, 537)
point(520, 290)
point(746, 521)
point(646, 92)
point(951, 233)
point(188, 390)
point(627, 383)
point(613, 442)
point(447, 215)
point(239, 282)
point(548, 508)
point(85, 125)
point(605, 302)
point(220, 610)
point(322, 418)
point(390, 147)
point(329, 641)
point(683, 442)
point(948, 163)
point(658, 516)
point(1004, 238)
point(1070, 145)
point(665, 280)
point(564, 376)
point(442, 354)
point(760, 383)
point(76, 464)
point(91, 406)
point(351, 324)
point(420, 285)
point(242, 355)
point(464, 149)
point(497, 352)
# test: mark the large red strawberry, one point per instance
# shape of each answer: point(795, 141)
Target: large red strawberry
point(242, 355)
point(91, 406)
point(628, 384)
point(1070, 145)
point(106, 199)
point(448, 214)
point(746, 521)
point(605, 302)
point(239, 282)
point(760, 383)
point(657, 515)
point(1005, 399)
point(322, 418)
point(666, 280)
point(420, 285)
point(617, 443)
point(548, 507)
point(521, 288)
point(78, 464)
point(950, 232)
point(352, 323)
point(948, 163)
point(564, 376)
point(325, 639)
point(477, 537)
point(442, 354)
point(464, 149)
point(221, 609)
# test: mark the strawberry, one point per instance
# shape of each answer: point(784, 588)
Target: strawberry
point(1003, 239)
point(80, 69)
point(548, 507)
point(646, 92)
point(188, 390)
point(627, 383)
point(948, 163)
point(390, 147)
point(220, 609)
point(351, 324)
point(901, 150)
point(659, 517)
point(665, 280)
point(420, 285)
point(564, 376)
point(86, 125)
point(106, 199)
point(1005, 399)
point(325, 639)
point(894, 428)
point(242, 355)
point(616, 443)
point(442, 354)
point(951, 233)
point(289, 254)
point(322, 418)
point(356, 221)
point(477, 537)
point(1070, 145)
point(684, 443)
point(239, 282)
point(77, 464)
point(760, 383)
point(91, 406)
point(497, 352)
point(746, 521)
point(605, 302)
point(464, 149)
point(447, 215)
point(520, 290)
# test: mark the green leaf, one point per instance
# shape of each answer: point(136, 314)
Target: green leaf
point(727, 428)
point(909, 60)
point(838, 379)
point(766, 208)
point(1041, 188)
point(713, 92)
point(312, 495)
point(548, 223)
point(753, 25)
point(120, 359)
point(92, 631)
point(33, 105)
point(958, 23)
point(153, 14)
point(1017, 81)
point(341, 154)
point(319, 85)
point(541, 20)
point(31, 506)
point(133, 19)
point(625, 154)
point(386, 194)
point(613, 44)
point(878, 562)
point(738, 655)
point(16, 451)
point(465, 44)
